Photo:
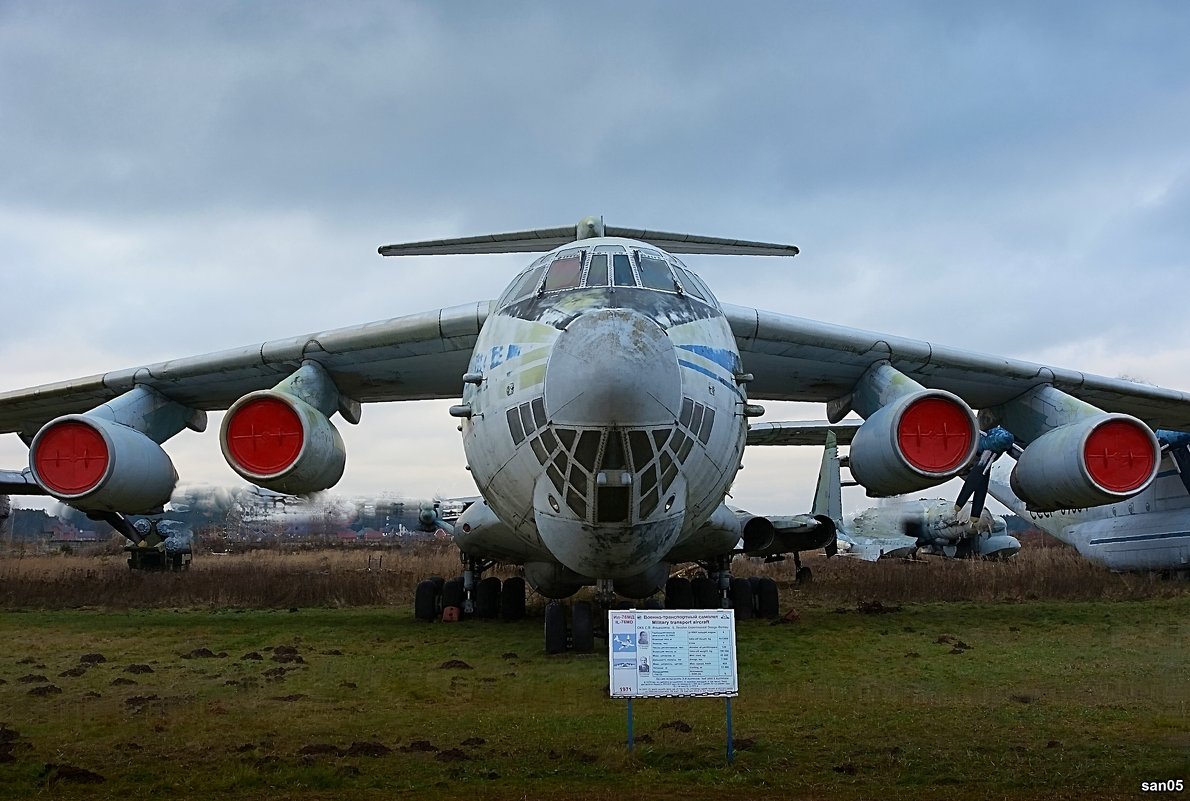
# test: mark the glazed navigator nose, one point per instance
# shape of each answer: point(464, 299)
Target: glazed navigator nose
point(613, 367)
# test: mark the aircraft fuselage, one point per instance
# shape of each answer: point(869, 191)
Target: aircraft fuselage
point(606, 423)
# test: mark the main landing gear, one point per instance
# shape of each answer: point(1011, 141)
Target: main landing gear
point(462, 596)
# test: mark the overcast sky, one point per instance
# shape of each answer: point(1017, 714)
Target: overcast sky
point(177, 178)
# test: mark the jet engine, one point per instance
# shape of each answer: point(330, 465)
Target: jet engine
point(918, 440)
point(768, 536)
point(280, 442)
point(1098, 460)
point(97, 465)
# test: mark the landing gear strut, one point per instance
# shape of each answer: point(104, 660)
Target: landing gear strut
point(801, 575)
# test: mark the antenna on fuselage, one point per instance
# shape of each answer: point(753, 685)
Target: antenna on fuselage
point(543, 239)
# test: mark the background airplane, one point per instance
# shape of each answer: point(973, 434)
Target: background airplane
point(1148, 531)
point(897, 527)
point(604, 405)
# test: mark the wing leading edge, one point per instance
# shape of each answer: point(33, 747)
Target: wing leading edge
point(796, 359)
point(417, 357)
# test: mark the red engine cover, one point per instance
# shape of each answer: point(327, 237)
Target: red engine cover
point(265, 436)
point(935, 434)
point(1119, 455)
point(71, 458)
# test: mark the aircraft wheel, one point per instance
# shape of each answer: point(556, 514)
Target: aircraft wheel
point(512, 599)
point(555, 628)
point(768, 598)
point(741, 598)
point(803, 575)
point(582, 627)
point(678, 594)
point(487, 598)
point(653, 604)
point(425, 601)
point(706, 592)
point(453, 593)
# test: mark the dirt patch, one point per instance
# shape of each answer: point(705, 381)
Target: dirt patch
point(451, 755)
point(138, 669)
point(509, 655)
point(32, 678)
point(455, 664)
point(367, 749)
point(318, 749)
point(875, 608)
point(418, 746)
point(252, 656)
point(203, 653)
point(743, 743)
point(677, 725)
point(29, 660)
point(140, 700)
point(349, 685)
point(332, 652)
point(290, 698)
point(120, 681)
point(471, 742)
point(53, 773)
point(73, 673)
point(286, 658)
point(91, 694)
point(92, 659)
point(1023, 699)
point(847, 769)
point(46, 689)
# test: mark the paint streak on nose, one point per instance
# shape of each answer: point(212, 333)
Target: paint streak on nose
point(613, 367)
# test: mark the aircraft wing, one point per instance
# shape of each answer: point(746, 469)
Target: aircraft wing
point(417, 357)
point(796, 359)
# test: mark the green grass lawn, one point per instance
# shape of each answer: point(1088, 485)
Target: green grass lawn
point(1054, 700)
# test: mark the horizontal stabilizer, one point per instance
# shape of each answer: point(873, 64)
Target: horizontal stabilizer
point(802, 432)
point(543, 239)
point(19, 482)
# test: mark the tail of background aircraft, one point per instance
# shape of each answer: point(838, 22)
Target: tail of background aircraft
point(828, 497)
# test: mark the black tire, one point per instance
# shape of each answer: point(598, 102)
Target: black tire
point(706, 592)
point(768, 599)
point(438, 582)
point(803, 575)
point(453, 593)
point(582, 628)
point(512, 599)
point(425, 602)
point(555, 628)
point(487, 598)
point(678, 594)
point(741, 598)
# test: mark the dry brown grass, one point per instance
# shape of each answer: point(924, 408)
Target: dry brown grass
point(346, 577)
point(1033, 574)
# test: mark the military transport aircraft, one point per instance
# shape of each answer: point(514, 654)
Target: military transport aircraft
point(604, 402)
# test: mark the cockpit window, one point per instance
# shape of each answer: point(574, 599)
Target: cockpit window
point(622, 270)
point(654, 272)
point(688, 284)
point(524, 286)
point(597, 271)
point(565, 272)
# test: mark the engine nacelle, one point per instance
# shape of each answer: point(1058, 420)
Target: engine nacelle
point(769, 536)
point(1095, 461)
point(916, 441)
point(97, 465)
point(282, 443)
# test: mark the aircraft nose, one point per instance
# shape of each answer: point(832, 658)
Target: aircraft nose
point(613, 367)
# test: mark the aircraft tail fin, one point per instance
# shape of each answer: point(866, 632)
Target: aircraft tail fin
point(828, 497)
point(543, 239)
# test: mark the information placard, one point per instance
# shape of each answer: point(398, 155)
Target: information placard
point(672, 652)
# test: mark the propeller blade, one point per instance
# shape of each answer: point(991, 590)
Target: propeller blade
point(981, 495)
point(1181, 458)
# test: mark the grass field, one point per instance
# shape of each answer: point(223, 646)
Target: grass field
point(1010, 698)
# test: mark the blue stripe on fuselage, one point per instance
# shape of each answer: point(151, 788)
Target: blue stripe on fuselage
point(727, 359)
point(700, 369)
